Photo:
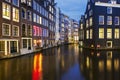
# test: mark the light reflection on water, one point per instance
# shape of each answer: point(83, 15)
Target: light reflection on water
point(63, 63)
point(100, 65)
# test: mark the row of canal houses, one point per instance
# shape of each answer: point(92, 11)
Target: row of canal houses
point(100, 25)
point(29, 25)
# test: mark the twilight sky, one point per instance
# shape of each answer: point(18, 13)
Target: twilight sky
point(72, 8)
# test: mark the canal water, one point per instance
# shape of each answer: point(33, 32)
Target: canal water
point(63, 63)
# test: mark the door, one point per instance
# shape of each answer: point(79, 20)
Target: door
point(13, 46)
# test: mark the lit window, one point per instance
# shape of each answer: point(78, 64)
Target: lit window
point(29, 2)
point(37, 31)
point(6, 10)
point(40, 20)
point(109, 20)
point(109, 33)
point(87, 34)
point(116, 20)
point(5, 29)
point(15, 14)
point(40, 31)
point(101, 33)
point(23, 1)
point(109, 10)
point(15, 30)
point(91, 33)
point(34, 17)
point(23, 13)
point(116, 35)
point(34, 30)
point(81, 26)
point(16, 2)
point(91, 23)
point(101, 20)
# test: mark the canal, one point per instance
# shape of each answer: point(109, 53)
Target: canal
point(63, 63)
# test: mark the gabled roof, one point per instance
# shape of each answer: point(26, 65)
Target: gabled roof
point(105, 1)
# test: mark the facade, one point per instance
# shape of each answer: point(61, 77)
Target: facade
point(101, 24)
point(57, 27)
point(9, 27)
point(81, 30)
point(75, 33)
point(26, 25)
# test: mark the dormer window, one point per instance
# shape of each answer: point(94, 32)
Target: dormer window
point(112, 1)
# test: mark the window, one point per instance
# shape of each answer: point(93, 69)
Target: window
point(29, 15)
point(109, 20)
point(23, 13)
point(109, 33)
point(90, 12)
point(15, 30)
point(38, 19)
point(37, 31)
point(101, 33)
point(15, 15)
point(86, 23)
point(34, 5)
point(2, 46)
point(24, 31)
point(6, 10)
point(109, 10)
point(91, 33)
point(15, 2)
point(101, 20)
point(29, 2)
point(81, 26)
point(34, 17)
point(91, 23)
point(29, 30)
point(88, 6)
point(5, 29)
point(23, 1)
point(8, 0)
point(38, 7)
point(109, 44)
point(116, 35)
point(116, 20)
point(24, 43)
point(87, 34)
point(40, 31)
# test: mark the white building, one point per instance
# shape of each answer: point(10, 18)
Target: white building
point(57, 27)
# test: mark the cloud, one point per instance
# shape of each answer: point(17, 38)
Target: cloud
point(72, 8)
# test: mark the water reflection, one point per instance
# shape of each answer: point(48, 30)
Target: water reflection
point(37, 67)
point(100, 65)
point(63, 63)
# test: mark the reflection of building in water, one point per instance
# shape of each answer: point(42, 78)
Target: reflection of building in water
point(37, 67)
point(106, 66)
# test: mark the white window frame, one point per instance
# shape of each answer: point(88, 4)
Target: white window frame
point(3, 29)
point(4, 16)
point(13, 31)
